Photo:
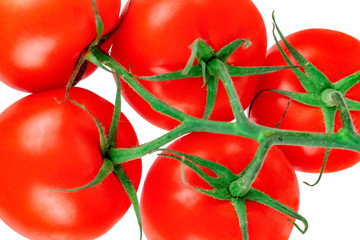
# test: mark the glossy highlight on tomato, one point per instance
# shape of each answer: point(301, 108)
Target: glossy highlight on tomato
point(173, 210)
point(42, 40)
point(154, 38)
point(46, 145)
point(334, 53)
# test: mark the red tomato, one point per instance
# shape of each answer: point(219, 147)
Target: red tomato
point(336, 55)
point(45, 146)
point(172, 210)
point(42, 40)
point(155, 36)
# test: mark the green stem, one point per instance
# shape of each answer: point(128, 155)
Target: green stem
point(99, 25)
point(192, 124)
point(116, 116)
point(120, 155)
point(242, 185)
point(212, 84)
point(74, 74)
point(253, 131)
point(218, 68)
point(155, 103)
point(344, 111)
point(331, 140)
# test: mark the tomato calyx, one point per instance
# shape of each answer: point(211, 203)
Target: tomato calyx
point(206, 58)
point(108, 167)
point(320, 92)
point(328, 97)
point(235, 188)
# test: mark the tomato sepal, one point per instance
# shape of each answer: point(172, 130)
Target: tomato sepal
point(346, 83)
point(212, 89)
point(224, 53)
point(309, 99)
point(131, 192)
point(200, 50)
point(352, 105)
point(104, 146)
point(99, 25)
point(106, 169)
point(313, 80)
point(260, 197)
point(240, 209)
point(204, 53)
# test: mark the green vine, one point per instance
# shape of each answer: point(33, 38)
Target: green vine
point(212, 67)
point(329, 99)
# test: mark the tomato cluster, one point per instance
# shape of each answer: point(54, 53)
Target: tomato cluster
point(58, 176)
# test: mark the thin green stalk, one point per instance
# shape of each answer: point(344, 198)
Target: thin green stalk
point(218, 68)
point(314, 139)
point(192, 124)
point(344, 111)
point(99, 25)
point(331, 140)
point(120, 155)
point(72, 79)
point(242, 185)
point(256, 132)
point(155, 103)
point(116, 116)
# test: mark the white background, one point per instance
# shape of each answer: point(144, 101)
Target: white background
point(332, 208)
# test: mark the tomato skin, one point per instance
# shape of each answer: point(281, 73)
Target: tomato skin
point(42, 40)
point(45, 146)
point(172, 210)
point(336, 55)
point(155, 36)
